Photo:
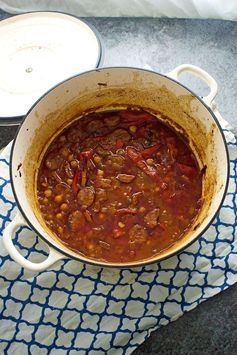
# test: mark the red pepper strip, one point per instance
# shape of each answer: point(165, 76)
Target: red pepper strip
point(147, 169)
point(75, 181)
point(151, 171)
point(86, 154)
point(186, 169)
point(141, 132)
point(119, 143)
point(137, 157)
point(133, 154)
point(125, 211)
point(149, 151)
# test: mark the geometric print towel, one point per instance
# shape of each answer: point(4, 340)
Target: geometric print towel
point(73, 308)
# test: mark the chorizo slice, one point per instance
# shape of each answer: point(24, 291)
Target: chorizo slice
point(86, 196)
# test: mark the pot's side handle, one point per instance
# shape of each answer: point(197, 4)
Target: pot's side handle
point(200, 73)
point(9, 231)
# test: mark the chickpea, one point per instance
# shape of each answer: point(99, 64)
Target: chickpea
point(100, 172)
point(150, 161)
point(142, 209)
point(74, 164)
point(133, 129)
point(47, 193)
point(191, 210)
point(64, 207)
point(69, 181)
point(58, 198)
point(70, 157)
point(121, 224)
point(59, 215)
point(90, 246)
point(60, 229)
point(97, 159)
point(45, 200)
point(62, 139)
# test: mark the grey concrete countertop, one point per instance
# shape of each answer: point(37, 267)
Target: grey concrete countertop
point(163, 44)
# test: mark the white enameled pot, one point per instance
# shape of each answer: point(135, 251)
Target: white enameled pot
point(105, 89)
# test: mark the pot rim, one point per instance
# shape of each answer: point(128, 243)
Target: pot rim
point(136, 263)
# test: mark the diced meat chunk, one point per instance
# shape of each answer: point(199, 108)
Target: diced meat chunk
point(137, 234)
point(94, 125)
point(74, 134)
point(151, 218)
point(112, 120)
point(118, 134)
point(103, 183)
point(101, 195)
point(135, 198)
point(53, 161)
point(76, 221)
point(125, 178)
point(86, 196)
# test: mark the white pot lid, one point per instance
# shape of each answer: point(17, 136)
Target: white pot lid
point(37, 51)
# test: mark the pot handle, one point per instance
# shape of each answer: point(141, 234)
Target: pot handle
point(9, 231)
point(200, 73)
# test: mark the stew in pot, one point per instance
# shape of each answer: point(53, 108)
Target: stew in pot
point(119, 186)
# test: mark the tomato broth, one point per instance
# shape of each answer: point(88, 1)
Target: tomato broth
point(119, 186)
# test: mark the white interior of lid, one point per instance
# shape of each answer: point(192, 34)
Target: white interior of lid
point(38, 50)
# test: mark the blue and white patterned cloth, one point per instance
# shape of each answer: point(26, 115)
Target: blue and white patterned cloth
point(74, 308)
